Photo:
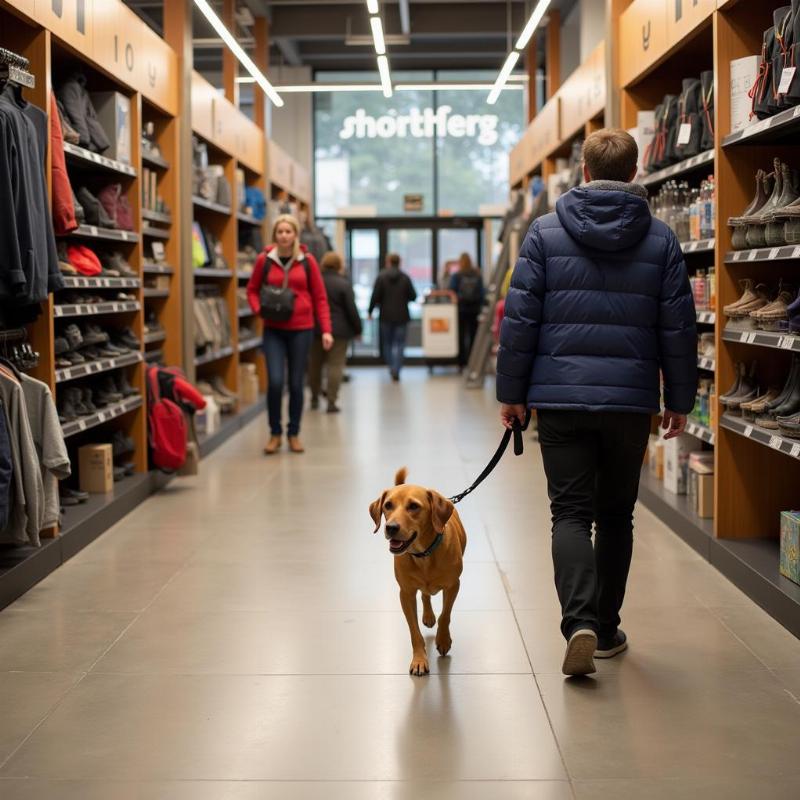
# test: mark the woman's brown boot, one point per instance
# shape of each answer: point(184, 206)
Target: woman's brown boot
point(273, 445)
point(295, 445)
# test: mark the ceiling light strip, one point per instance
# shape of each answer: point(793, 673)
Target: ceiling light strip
point(386, 80)
point(513, 56)
point(235, 48)
point(377, 35)
point(372, 6)
point(511, 62)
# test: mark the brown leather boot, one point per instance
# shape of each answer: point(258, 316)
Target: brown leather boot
point(273, 445)
point(295, 445)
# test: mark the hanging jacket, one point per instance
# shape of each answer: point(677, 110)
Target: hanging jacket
point(63, 209)
point(392, 293)
point(28, 257)
point(599, 303)
point(6, 470)
point(310, 302)
point(82, 116)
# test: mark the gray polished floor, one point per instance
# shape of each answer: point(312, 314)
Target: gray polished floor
point(239, 636)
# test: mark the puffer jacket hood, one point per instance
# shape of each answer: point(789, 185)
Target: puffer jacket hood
point(605, 215)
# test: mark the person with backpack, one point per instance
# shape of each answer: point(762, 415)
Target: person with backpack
point(392, 293)
point(346, 324)
point(467, 283)
point(286, 289)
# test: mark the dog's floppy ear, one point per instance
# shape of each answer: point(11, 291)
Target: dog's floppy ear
point(400, 476)
point(375, 511)
point(441, 511)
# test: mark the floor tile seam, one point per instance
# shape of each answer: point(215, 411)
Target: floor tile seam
point(741, 641)
point(76, 680)
point(530, 662)
point(322, 781)
point(399, 674)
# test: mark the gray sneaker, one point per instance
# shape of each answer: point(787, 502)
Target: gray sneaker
point(579, 656)
point(608, 648)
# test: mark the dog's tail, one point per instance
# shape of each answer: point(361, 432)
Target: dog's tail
point(400, 476)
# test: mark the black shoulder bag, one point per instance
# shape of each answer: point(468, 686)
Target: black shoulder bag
point(277, 303)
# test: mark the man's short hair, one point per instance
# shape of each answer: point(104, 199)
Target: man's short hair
point(393, 260)
point(611, 154)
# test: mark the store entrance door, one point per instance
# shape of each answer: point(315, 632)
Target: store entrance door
point(427, 250)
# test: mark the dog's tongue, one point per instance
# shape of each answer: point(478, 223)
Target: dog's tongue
point(396, 543)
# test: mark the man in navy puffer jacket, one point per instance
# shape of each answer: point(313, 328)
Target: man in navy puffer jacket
point(599, 309)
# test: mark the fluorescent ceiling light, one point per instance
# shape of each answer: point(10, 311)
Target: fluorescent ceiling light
point(386, 81)
point(333, 87)
point(235, 48)
point(377, 35)
point(511, 62)
point(533, 24)
point(372, 6)
point(448, 87)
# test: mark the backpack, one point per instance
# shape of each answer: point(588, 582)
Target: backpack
point(469, 289)
point(166, 424)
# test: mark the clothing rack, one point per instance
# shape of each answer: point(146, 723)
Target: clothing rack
point(14, 69)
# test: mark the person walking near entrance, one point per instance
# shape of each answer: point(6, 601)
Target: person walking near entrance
point(346, 326)
point(599, 304)
point(392, 293)
point(467, 283)
point(287, 265)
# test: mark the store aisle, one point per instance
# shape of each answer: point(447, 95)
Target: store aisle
point(239, 636)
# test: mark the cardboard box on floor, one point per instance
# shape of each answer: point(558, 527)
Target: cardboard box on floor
point(96, 468)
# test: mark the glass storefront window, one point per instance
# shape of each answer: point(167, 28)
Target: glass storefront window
point(373, 151)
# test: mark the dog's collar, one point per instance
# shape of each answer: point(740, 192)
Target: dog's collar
point(436, 542)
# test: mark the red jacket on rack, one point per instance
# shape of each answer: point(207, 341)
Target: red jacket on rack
point(311, 299)
point(63, 208)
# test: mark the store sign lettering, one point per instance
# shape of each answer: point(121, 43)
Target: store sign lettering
point(57, 7)
point(422, 124)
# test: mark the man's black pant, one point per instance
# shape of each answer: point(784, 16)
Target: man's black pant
point(592, 461)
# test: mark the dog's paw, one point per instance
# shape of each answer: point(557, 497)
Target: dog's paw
point(429, 620)
point(419, 666)
point(443, 642)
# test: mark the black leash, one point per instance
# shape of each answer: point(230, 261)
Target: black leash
point(516, 432)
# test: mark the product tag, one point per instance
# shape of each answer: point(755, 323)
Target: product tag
point(786, 79)
point(773, 253)
point(775, 442)
point(796, 251)
point(685, 132)
point(751, 337)
point(748, 431)
point(795, 450)
point(788, 342)
point(752, 255)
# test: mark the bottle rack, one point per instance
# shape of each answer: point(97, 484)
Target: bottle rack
point(756, 472)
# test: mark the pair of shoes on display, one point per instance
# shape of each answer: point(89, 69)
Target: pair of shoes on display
point(71, 497)
point(81, 401)
point(772, 218)
point(771, 409)
point(116, 265)
point(765, 309)
point(223, 396)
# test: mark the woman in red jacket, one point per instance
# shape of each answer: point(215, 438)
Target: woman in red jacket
point(290, 341)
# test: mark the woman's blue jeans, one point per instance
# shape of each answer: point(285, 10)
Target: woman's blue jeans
point(282, 348)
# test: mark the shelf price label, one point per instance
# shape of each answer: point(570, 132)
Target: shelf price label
point(795, 451)
point(773, 253)
point(752, 255)
point(748, 431)
point(775, 442)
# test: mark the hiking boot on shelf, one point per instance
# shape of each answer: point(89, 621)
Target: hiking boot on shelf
point(757, 223)
point(108, 388)
point(123, 386)
point(764, 186)
point(768, 417)
point(94, 211)
point(226, 404)
point(116, 262)
point(86, 397)
point(753, 299)
point(74, 396)
point(741, 371)
point(752, 409)
point(774, 316)
point(746, 390)
point(71, 497)
point(121, 444)
point(66, 411)
point(74, 336)
point(774, 231)
point(94, 334)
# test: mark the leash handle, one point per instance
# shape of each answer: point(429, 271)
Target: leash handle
point(516, 431)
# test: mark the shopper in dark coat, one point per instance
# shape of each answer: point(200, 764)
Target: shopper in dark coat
point(392, 293)
point(467, 283)
point(599, 307)
point(346, 325)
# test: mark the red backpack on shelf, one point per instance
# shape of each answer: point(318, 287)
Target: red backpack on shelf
point(166, 424)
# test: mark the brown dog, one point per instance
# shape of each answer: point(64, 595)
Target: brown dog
point(428, 541)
